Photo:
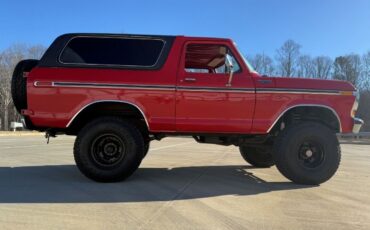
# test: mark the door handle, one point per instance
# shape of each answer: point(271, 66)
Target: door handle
point(265, 81)
point(190, 79)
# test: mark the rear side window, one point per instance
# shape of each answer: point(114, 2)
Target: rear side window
point(112, 51)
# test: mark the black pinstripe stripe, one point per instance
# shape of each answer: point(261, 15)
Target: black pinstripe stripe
point(105, 85)
point(188, 88)
point(284, 90)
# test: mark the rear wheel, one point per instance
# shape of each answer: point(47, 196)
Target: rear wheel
point(307, 153)
point(108, 149)
point(257, 156)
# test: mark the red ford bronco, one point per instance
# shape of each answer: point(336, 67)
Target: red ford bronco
point(117, 93)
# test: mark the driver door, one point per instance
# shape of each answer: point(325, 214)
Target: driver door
point(204, 101)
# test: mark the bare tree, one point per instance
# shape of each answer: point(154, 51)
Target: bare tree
point(8, 60)
point(364, 86)
point(364, 109)
point(365, 76)
point(287, 57)
point(263, 64)
point(35, 52)
point(305, 67)
point(348, 68)
point(322, 67)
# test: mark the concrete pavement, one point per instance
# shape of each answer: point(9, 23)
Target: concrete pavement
point(180, 185)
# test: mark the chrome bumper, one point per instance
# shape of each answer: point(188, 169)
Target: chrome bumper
point(357, 123)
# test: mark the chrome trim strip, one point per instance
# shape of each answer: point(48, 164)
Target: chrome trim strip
point(37, 84)
point(100, 101)
point(216, 89)
point(298, 91)
point(116, 86)
point(144, 87)
point(187, 88)
point(306, 105)
point(117, 37)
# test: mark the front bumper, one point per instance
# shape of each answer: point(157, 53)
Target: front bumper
point(357, 123)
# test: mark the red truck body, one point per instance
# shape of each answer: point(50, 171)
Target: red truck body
point(117, 93)
point(170, 104)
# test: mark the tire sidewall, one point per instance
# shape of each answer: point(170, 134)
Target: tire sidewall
point(286, 155)
point(146, 148)
point(257, 157)
point(19, 83)
point(127, 165)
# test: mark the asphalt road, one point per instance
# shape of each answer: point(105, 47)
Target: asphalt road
point(180, 185)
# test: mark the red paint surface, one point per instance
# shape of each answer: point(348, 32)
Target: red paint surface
point(181, 110)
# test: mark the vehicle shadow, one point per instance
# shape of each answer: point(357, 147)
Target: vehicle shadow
point(65, 184)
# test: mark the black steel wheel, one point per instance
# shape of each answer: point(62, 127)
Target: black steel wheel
point(310, 154)
point(108, 150)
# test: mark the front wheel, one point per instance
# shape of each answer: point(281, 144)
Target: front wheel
point(146, 148)
point(108, 149)
point(307, 153)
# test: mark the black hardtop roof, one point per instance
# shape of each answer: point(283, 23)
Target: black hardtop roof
point(52, 54)
point(68, 36)
point(71, 35)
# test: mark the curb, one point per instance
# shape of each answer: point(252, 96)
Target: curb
point(19, 133)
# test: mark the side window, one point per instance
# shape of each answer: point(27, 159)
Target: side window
point(208, 58)
point(112, 51)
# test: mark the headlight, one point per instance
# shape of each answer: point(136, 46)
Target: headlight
point(357, 95)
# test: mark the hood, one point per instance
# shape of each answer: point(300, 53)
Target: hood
point(306, 83)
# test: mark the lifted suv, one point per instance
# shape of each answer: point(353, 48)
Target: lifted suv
point(117, 93)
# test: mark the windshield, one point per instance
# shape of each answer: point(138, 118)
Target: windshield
point(250, 67)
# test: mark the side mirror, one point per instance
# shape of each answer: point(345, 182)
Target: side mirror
point(229, 69)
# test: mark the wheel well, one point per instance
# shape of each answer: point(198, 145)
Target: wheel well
point(118, 109)
point(321, 114)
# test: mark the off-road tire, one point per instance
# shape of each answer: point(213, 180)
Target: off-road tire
point(146, 148)
point(90, 149)
point(295, 144)
point(258, 157)
point(19, 83)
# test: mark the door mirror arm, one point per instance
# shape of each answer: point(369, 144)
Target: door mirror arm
point(229, 69)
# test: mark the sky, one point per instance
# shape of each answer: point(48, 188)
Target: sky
point(321, 27)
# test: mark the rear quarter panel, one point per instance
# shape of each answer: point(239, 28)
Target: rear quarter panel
point(56, 106)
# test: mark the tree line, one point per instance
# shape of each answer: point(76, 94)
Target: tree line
point(8, 60)
point(288, 61)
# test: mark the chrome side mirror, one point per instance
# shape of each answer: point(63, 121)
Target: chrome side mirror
point(229, 69)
